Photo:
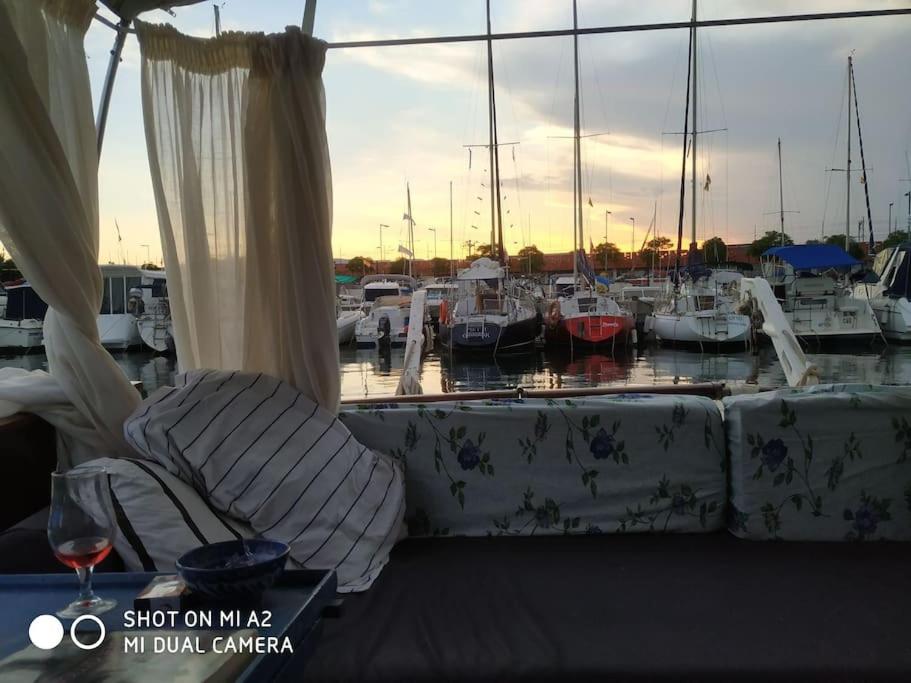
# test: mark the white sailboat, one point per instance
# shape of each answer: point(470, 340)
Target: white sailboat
point(701, 305)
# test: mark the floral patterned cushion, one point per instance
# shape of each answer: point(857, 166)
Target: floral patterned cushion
point(624, 463)
point(825, 463)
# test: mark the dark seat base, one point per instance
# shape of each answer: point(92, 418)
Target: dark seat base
point(626, 607)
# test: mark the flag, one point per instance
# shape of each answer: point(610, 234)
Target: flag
point(863, 178)
point(590, 202)
point(407, 217)
point(406, 251)
point(708, 182)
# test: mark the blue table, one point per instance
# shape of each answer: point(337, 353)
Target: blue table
point(296, 604)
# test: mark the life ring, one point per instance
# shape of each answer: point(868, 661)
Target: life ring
point(444, 312)
point(553, 314)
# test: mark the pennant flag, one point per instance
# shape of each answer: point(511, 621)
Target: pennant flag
point(591, 245)
point(407, 217)
point(708, 182)
point(406, 251)
point(863, 178)
point(590, 202)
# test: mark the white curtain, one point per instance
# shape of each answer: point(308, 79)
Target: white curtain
point(236, 135)
point(49, 223)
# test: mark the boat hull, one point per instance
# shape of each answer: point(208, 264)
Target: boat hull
point(729, 328)
point(21, 334)
point(894, 317)
point(490, 337)
point(118, 331)
point(346, 325)
point(590, 330)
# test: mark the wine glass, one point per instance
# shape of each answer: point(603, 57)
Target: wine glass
point(81, 531)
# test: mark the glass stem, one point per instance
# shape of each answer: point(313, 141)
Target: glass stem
point(85, 584)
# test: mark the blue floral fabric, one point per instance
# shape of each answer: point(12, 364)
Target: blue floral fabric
point(825, 463)
point(625, 463)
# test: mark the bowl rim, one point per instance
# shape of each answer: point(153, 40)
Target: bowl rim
point(283, 554)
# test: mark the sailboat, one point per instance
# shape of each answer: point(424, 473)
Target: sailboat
point(582, 315)
point(890, 295)
point(701, 308)
point(491, 312)
point(811, 281)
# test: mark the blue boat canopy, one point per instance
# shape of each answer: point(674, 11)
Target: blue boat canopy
point(807, 256)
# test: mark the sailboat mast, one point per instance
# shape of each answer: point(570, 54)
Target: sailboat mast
point(410, 232)
point(780, 193)
point(577, 150)
point(848, 167)
point(496, 210)
point(686, 122)
point(695, 124)
point(490, 148)
point(863, 163)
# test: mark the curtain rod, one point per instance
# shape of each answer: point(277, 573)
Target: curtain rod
point(632, 28)
point(743, 21)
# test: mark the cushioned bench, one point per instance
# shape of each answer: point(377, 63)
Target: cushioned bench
point(622, 607)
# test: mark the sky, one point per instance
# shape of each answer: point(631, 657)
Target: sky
point(398, 115)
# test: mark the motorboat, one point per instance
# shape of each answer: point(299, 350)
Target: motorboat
point(437, 293)
point(490, 314)
point(346, 322)
point(22, 325)
point(387, 320)
point(810, 282)
point(384, 285)
point(890, 294)
point(134, 309)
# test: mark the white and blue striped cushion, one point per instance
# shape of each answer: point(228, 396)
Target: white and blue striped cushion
point(262, 452)
point(160, 517)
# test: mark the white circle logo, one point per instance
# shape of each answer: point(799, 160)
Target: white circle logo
point(80, 644)
point(45, 632)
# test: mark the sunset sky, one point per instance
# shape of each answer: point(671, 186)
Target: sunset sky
point(403, 114)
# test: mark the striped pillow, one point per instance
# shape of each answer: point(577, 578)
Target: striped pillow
point(262, 452)
point(160, 517)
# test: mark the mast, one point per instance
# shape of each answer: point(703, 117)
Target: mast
point(496, 213)
point(410, 233)
point(686, 123)
point(863, 163)
point(695, 123)
point(848, 167)
point(780, 193)
point(451, 254)
point(577, 151)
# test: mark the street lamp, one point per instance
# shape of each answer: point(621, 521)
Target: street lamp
point(889, 226)
point(148, 258)
point(434, 231)
point(382, 254)
point(908, 195)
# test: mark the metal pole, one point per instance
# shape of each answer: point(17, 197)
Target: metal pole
point(663, 26)
point(217, 20)
point(606, 226)
point(451, 254)
point(309, 17)
point(848, 171)
point(780, 193)
point(695, 125)
point(108, 88)
point(889, 226)
point(382, 254)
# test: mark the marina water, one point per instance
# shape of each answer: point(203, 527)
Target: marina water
point(365, 372)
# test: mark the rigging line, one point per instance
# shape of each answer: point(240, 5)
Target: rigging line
point(838, 128)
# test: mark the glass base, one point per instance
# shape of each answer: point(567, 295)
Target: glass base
point(94, 605)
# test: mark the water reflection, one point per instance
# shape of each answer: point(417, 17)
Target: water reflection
point(366, 372)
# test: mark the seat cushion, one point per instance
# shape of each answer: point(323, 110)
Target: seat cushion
point(827, 463)
point(627, 463)
point(261, 452)
point(625, 607)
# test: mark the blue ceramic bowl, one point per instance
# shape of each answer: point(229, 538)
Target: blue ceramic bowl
point(217, 570)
